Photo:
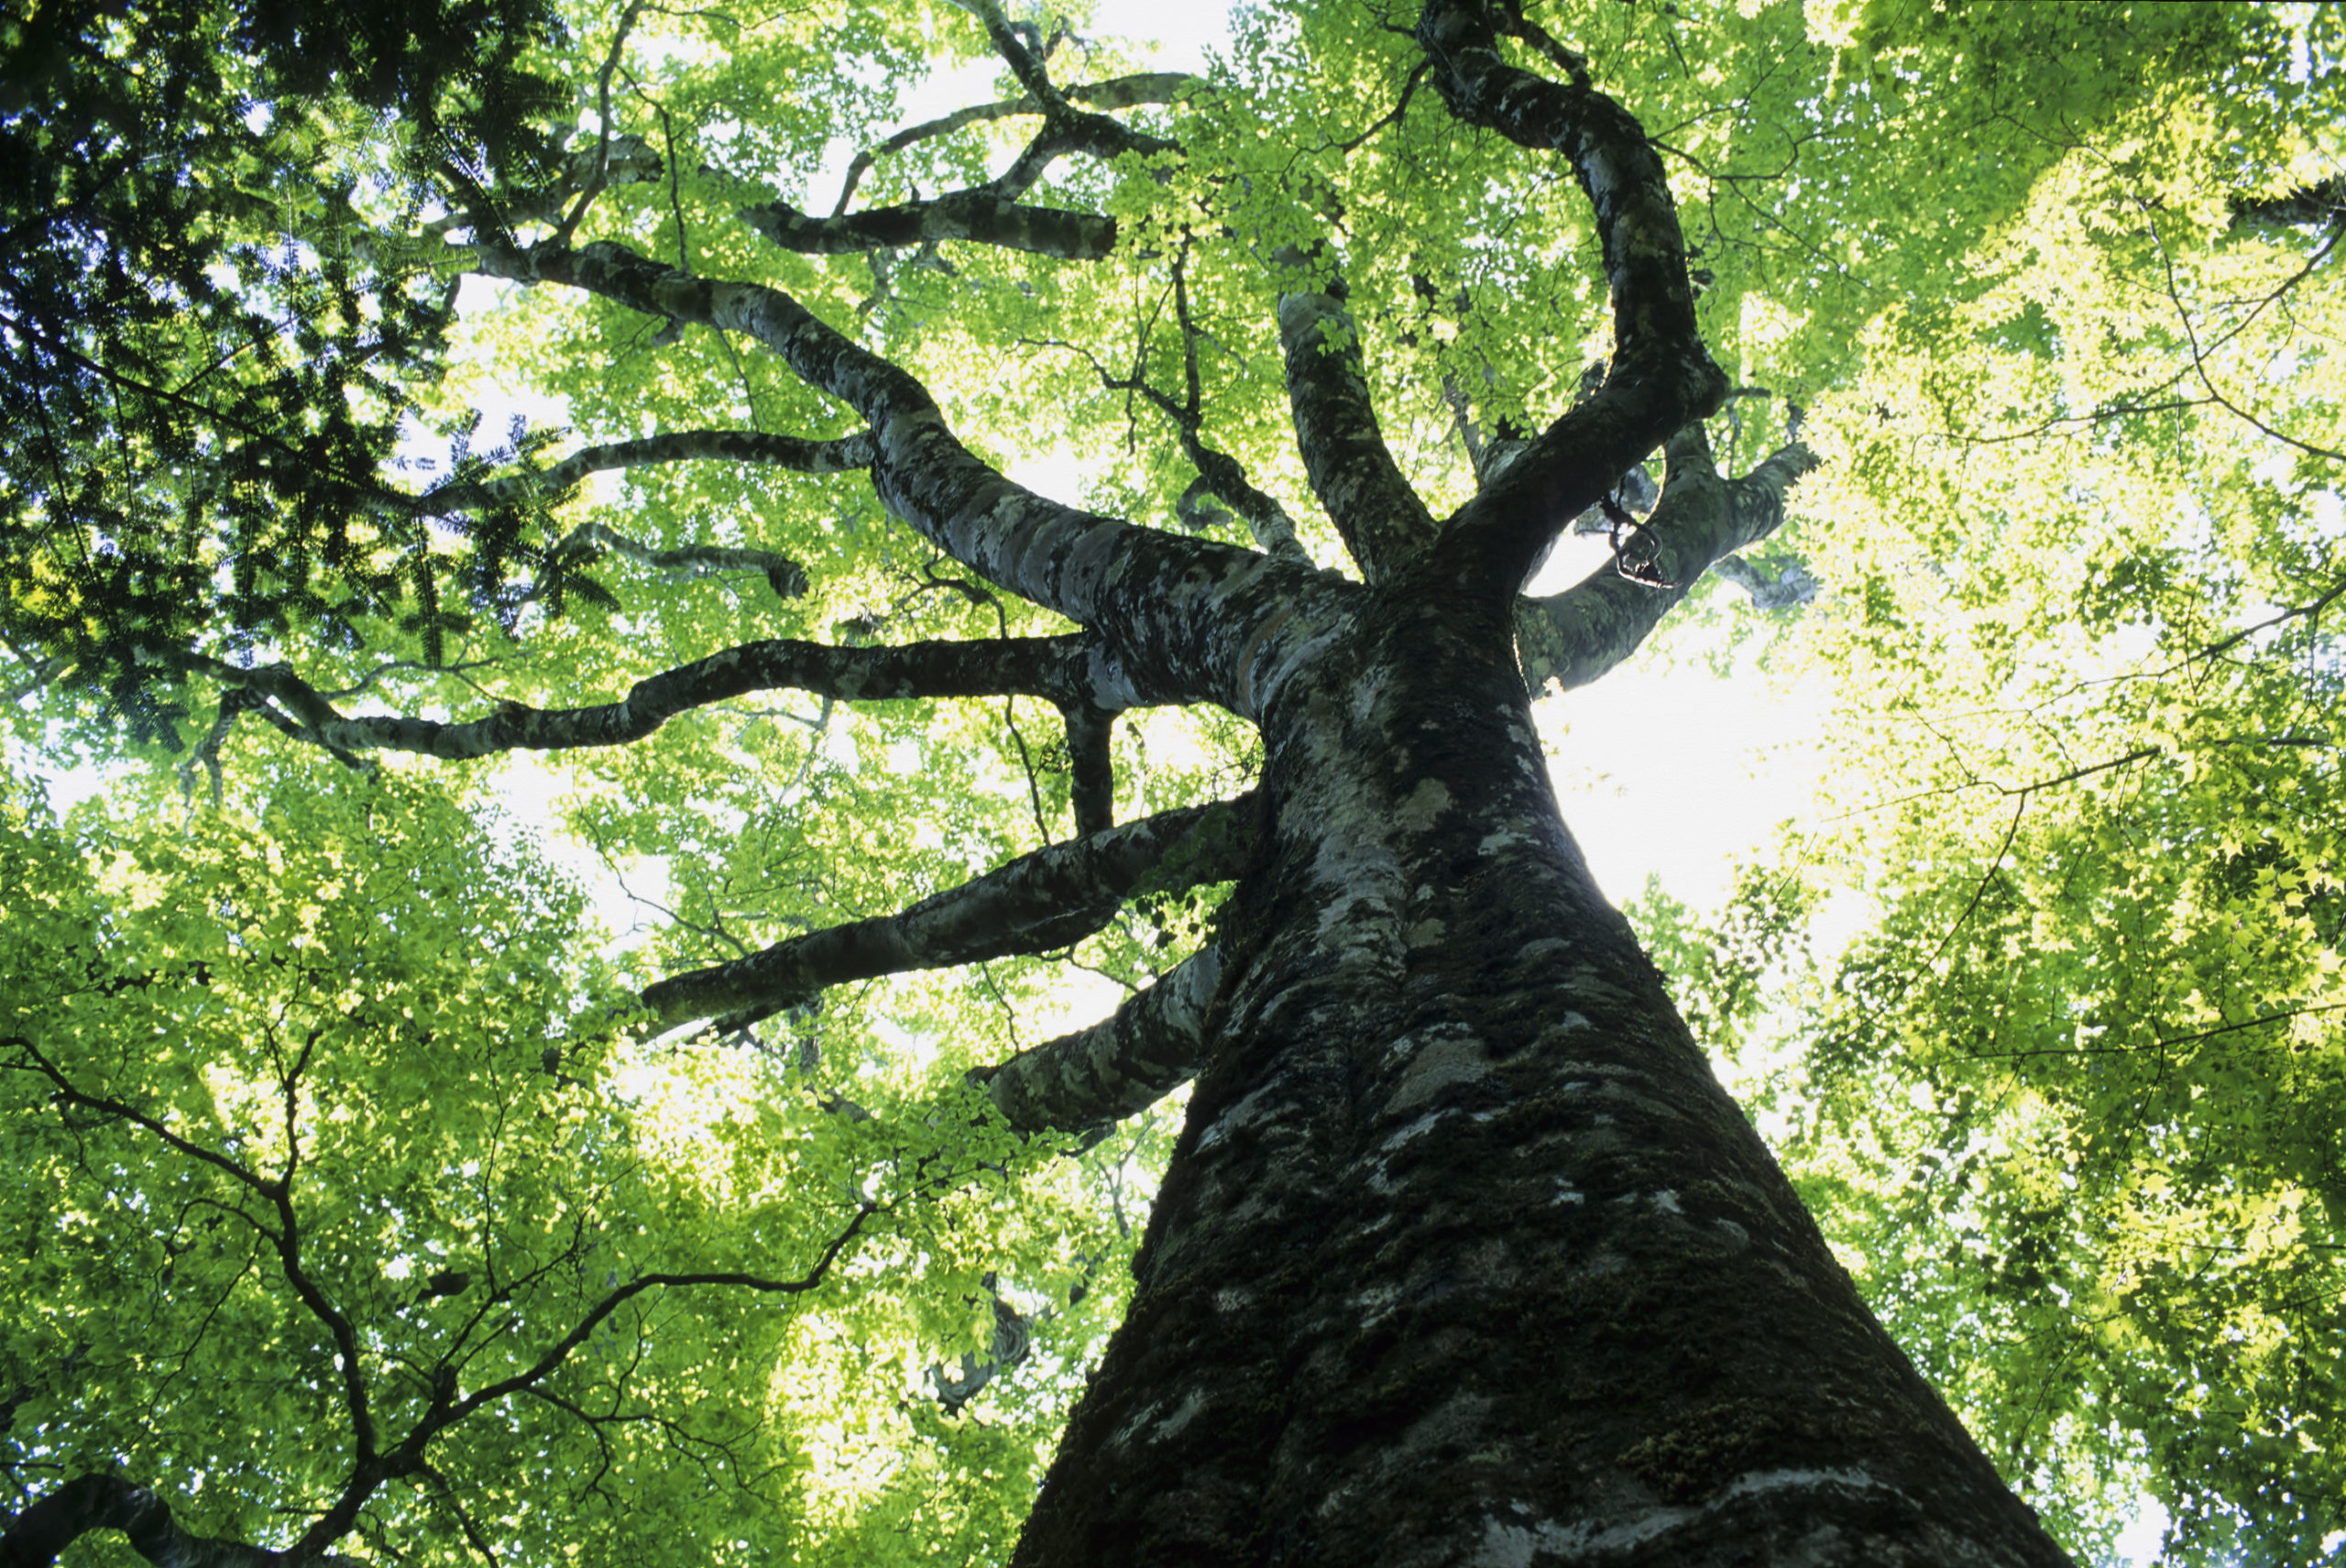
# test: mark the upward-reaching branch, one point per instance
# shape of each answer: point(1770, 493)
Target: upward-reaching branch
point(1188, 617)
point(989, 214)
point(1151, 1045)
point(1218, 471)
point(1383, 522)
point(1092, 768)
point(1662, 375)
point(1117, 92)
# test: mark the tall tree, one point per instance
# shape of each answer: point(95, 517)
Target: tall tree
point(1462, 1254)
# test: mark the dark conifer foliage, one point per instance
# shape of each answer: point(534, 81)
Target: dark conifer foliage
point(200, 402)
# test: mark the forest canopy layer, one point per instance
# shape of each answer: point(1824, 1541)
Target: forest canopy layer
point(1036, 569)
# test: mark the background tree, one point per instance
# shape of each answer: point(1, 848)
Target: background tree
point(335, 1202)
point(1445, 1096)
point(2068, 1101)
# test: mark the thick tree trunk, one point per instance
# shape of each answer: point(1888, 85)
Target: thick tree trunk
point(1465, 1256)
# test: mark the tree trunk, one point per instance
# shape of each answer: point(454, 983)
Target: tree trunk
point(1465, 1255)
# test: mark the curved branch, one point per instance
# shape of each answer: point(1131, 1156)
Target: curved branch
point(286, 1239)
point(37, 1536)
point(584, 1330)
point(988, 214)
point(67, 1092)
point(1028, 64)
point(1117, 92)
point(1117, 1067)
point(1051, 898)
point(845, 454)
point(1573, 637)
point(1662, 377)
point(1220, 475)
point(1218, 472)
point(1063, 669)
point(786, 577)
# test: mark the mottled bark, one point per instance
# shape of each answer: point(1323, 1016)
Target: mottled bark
point(1465, 1256)
point(1572, 638)
point(1266, 520)
point(1092, 767)
point(37, 1537)
point(798, 453)
point(785, 575)
point(1383, 524)
point(1117, 1067)
point(1662, 375)
point(1052, 898)
point(981, 216)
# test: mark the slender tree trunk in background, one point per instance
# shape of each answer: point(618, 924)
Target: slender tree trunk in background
point(1465, 1255)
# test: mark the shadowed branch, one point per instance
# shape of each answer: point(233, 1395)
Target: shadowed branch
point(1383, 524)
point(1060, 668)
point(1117, 1067)
point(37, 1536)
point(1049, 899)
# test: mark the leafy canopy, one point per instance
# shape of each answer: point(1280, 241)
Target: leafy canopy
point(2034, 280)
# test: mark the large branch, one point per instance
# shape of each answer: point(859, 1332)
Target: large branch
point(37, 1536)
point(982, 217)
point(1192, 618)
point(1051, 898)
point(1573, 637)
point(1383, 522)
point(1092, 766)
point(1118, 1068)
point(1065, 669)
point(2303, 207)
point(786, 577)
point(1662, 375)
point(845, 454)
